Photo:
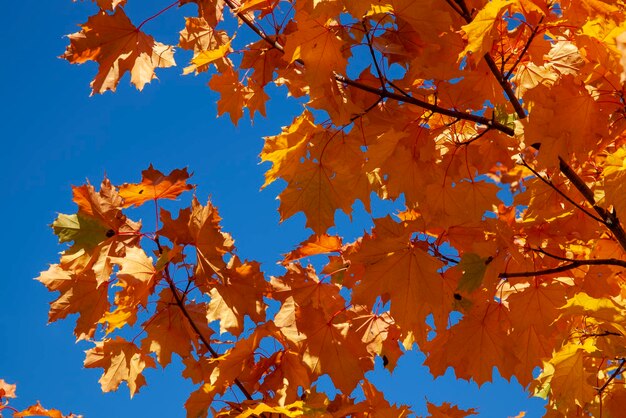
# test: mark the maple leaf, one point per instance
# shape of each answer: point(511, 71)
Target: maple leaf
point(169, 330)
point(534, 330)
point(80, 294)
point(210, 242)
point(122, 361)
point(212, 11)
point(317, 43)
point(316, 244)
point(38, 410)
point(137, 277)
point(381, 336)
point(389, 254)
point(177, 230)
point(240, 294)
point(475, 345)
point(209, 45)
point(568, 376)
point(331, 348)
point(155, 185)
point(117, 46)
point(109, 4)
point(233, 94)
point(479, 30)
point(446, 410)
point(303, 287)
point(7, 390)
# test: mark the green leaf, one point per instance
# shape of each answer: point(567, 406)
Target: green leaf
point(86, 232)
point(473, 267)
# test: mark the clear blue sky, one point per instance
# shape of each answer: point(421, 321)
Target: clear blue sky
point(54, 136)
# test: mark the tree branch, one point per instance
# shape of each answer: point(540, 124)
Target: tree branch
point(562, 194)
point(565, 267)
point(428, 106)
point(532, 36)
point(609, 219)
point(506, 86)
point(616, 373)
point(465, 13)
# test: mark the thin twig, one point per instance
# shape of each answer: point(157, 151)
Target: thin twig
point(379, 73)
point(532, 36)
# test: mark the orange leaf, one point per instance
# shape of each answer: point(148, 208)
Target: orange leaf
point(117, 46)
point(475, 345)
point(316, 244)
point(7, 390)
point(240, 294)
point(80, 294)
point(398, 270)
point(169, 331)
point(447, 410)
point(39, 411)
point(121, 361)
point(155, 185)
point(332, 348)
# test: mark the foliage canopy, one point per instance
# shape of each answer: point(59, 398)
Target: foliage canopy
point(498, 124)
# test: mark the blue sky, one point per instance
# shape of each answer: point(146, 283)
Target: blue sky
point(54, 135)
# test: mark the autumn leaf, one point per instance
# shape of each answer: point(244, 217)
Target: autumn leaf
point(122, 361)
point(39, 411)
point(479, 30)
point(7, 390)
point(316, 244)
point(210, 242)
point(330, 348)
point(80, 294)
point(137, 278)
point(387, 254)
point(446, 410)
point(118, 47)
point(475, 345)
point(170, 331)
point(155, 185)
point(240, 295)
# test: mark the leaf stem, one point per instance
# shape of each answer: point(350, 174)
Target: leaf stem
point(157, 14)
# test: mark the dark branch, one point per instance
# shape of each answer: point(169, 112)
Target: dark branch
point(563, 195)
point(465, 13)
point(379, 73)
point(428, 106)
point(609, 219)
point(572, 264)
point(532, 36)
point(617, 372)
point(506, 86)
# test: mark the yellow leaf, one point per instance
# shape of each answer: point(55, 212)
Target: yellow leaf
point(479, 30)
